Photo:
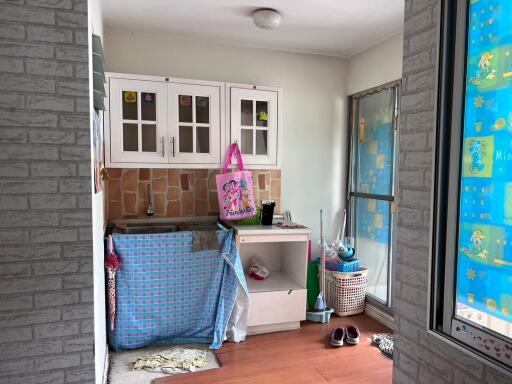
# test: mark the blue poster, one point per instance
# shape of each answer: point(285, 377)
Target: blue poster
point(484, 277)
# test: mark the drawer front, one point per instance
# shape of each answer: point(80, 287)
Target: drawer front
point(277, 307)
point(246, 239)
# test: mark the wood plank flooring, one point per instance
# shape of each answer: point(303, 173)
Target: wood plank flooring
point(299, 356)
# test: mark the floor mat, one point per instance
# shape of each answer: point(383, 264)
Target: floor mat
point(120, 364)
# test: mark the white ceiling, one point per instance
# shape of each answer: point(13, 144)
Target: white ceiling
point(330, 27)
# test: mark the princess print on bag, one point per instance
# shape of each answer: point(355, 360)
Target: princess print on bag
point(236, 198)
point(231, 196)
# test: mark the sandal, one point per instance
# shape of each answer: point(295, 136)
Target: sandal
point(337, 337)
point(352, 335)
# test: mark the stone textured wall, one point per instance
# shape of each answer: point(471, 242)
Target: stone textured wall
point(420, 358)
point(177, 192)
point(46, 285)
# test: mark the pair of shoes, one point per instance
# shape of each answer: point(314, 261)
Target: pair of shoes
point(350, 334)
point(385, 342)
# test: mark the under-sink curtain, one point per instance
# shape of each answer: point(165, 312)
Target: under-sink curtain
point(168, 294)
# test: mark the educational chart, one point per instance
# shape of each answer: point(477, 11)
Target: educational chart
point(484, 280)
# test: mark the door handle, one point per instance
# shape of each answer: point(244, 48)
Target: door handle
point(173, 144)
point(163, 147)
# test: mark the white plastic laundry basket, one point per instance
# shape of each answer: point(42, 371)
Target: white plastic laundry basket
point(345, 291)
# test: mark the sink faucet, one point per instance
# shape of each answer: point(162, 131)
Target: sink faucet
point(150, 210)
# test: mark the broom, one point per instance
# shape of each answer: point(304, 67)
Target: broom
point(320, 303)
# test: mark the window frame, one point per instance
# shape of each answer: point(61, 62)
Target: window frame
point(351, 192)
point(442, 322)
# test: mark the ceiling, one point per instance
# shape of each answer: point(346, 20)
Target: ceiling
point(330, 27)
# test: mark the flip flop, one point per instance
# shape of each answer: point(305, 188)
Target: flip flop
point(352, 335)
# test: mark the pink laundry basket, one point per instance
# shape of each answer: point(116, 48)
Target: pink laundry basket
point(345, 291)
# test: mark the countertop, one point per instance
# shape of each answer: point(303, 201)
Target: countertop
point(244, 230)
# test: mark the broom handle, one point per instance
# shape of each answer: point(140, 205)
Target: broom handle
point(322, 254)
point(341, 234)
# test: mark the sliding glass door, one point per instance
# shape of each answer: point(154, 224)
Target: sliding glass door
point(372, 184)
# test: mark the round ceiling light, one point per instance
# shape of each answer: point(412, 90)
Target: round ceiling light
point(266, 18)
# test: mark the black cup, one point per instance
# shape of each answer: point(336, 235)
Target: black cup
point(267, 213)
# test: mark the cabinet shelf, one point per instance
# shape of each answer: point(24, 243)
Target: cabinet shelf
point(277, 281)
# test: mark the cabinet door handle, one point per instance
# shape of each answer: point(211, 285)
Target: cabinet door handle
point(173, 141)
point(163, 146)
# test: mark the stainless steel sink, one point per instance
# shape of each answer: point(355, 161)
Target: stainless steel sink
point(148, 228)
point(140, 229)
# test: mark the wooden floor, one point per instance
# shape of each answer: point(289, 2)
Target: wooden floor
point(300, 356)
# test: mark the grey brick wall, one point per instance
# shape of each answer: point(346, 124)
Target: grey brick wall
point(420, 358)
point(46, 310)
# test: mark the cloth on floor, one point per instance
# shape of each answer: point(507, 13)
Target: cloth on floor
point(172, 361)
point(168, 294)
point(385, 342)
point(206, 240)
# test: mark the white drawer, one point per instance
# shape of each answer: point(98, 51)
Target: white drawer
point(277, 307)
point(282, 238)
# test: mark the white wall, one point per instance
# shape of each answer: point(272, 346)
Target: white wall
point(378, 65)
point(98, 225)
point(314, 116)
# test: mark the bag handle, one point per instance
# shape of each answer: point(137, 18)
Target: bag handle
point(233, 150)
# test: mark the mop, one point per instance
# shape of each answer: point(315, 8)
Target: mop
point(321, 313)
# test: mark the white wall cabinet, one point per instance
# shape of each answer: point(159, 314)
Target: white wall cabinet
point(195, 126)
point(255, 123)
point(138, 110)
point(158, 122)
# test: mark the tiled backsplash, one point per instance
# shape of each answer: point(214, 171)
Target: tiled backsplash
point(177, 192)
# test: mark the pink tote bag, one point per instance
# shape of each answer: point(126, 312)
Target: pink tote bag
point(236, 200)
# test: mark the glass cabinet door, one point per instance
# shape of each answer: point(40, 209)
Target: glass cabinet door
point(194, 118)
point(254, 125)
point(138, 121)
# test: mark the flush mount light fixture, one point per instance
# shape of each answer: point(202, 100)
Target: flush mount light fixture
point(266, 18)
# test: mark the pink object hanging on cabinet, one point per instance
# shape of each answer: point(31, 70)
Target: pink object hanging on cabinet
point(236, 199)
